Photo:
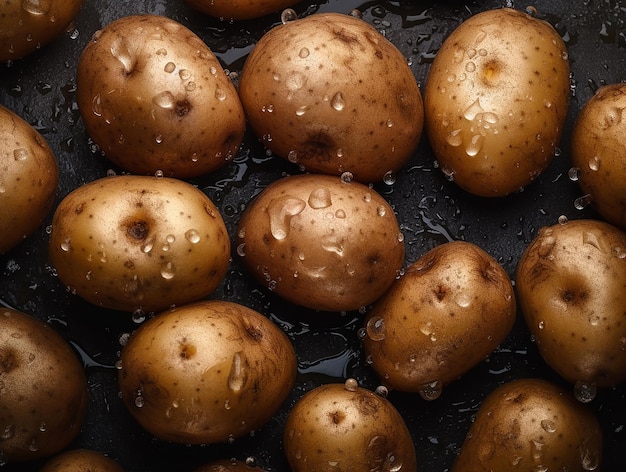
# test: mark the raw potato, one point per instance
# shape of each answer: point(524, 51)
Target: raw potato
point(347, 428)
point(29, 177)
point(26, 26)
point(571, 285)
point(599, 152)
point(496, 100)
point(448, 312)
point(43, 389)
point(239, 9)
point(321, 242)
point(132, 242)
point(531, 425)
point(154, 97)
point(81, 460)
point(330, 93)
point(228, 465)
point(206, 373)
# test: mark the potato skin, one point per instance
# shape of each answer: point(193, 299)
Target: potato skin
point(571, 285)
point(531, 424)
point(131, 242)
point(29, 177)
point(227, 465)
point(496, 100)
point(448, 312)
point(330, 93)
point(154, 97)
point(81, 460)
point(43, 389)
point(598, 151)
point(321, 243)
point(239, 9)
point(206, 372)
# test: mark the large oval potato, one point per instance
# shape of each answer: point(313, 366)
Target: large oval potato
point(206, 373)
point(154, 97)
point(330, 93)
point(130, 242)
point(496, 100)
point(239, 9)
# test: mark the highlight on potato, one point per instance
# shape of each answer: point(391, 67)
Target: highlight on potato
point(80, 460)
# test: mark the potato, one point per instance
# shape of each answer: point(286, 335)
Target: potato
point(571, 285)
point(496, 100)
point(449, 311)
point(330, 93)
point(598, 150)
point(27, 25)
point(530, 424)
point(130, 242)
point(321, 242)
point(344, 427)
point(227, 465)
point(239, 9)
point(208, 372)
point(29, 176)
point(42, 386)
point(81, 460)
point(154, 97)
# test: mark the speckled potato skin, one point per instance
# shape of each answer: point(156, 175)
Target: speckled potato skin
point(43, 389)
point(205, 373)
point(228, 465)
point(496, 100)
point(448, 312)
point(81, 460)
point(320, 242)
point(531, 424)
point(154, 97)
point(331, 94)
point(132, 242)
point(29, 177)
point(598, 150)
point(333, 428)
point(571, 285)
point(27, 26)
point(239, 9)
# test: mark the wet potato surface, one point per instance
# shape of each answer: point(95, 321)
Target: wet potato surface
point(430, 211)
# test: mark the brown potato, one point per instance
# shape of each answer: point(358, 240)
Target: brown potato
point(132, 242)
point(348, 428)
point(448, 312)
point(154, 97)
point(239, 9)
point(496, 100)
point(29, 176)
point(81, 460)
point(571, 285)
point(228, 465)
point(206, 373)
point(330, 93)
point(42, 386)
point(599, 152)
point(531, 425)
point(321, 242)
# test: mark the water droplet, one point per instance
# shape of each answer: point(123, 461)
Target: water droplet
point(382, 391)
point(169, 67)
point(475, 145)
point(581, 202)
point(168, 270)
point(351, 385)
point(119, 50)
point(304, 53)
point(381, 211)
point(541, 324)
point(320, 198)
point(431, 391)
point(454, 138)
point(338, 102)
point(66, 245)
point(375, 327)
point(96, 105)
point(300, 111)
point(347, 177)
point(474, 109)
point(589, 457)
point(8, 433)
point(138, 316)
point(220, 94)
point(594, 163)
point(287, 15)
point(147, 245)
point(139, 401)
point(340, 214)
point(20, 154)
point(280, 211)
point(389, 178)
point(562, 220)
point(548, 426)
point(193, 236)
point(585, 392)
point(470, 67)
point(184, 74)
point(161, 52)
point(158, 138)
point(164, 100)
point(37, 7)
point(238, 375)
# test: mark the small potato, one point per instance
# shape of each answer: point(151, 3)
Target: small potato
point(239, 9)
point(321, 242)
point(154, 97)
point(333, 95)
point(531, 425)
point(132, 242)
point(343, 427)
point(571, 285)
point(599, 152)
point(29, 177)
point(43, 389)
point(206, 373)
point(228, 465)
point(81, 460)
point(448, 312)
point(496, 100)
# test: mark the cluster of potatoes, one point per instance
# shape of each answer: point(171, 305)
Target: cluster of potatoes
point(316, 91)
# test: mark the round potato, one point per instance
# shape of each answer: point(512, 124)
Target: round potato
point(130, 242)
point(330, 93)
point(43, 389)
point(26, 26)
point(206, 373)
point(496, 100)
point(571, 285)
point(29, 177)
point(228, 465)
point(349, 428)
point(154, 97)
point(239, 9)
point(599, 152)
point(321, 242)
point(81, 460)
point(448, 312)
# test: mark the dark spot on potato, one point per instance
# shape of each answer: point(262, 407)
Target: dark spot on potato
point(319, 146)
point(187, 351)
point(138, 230)
point(337, 417)
point(182, 108)
point(7, 360)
